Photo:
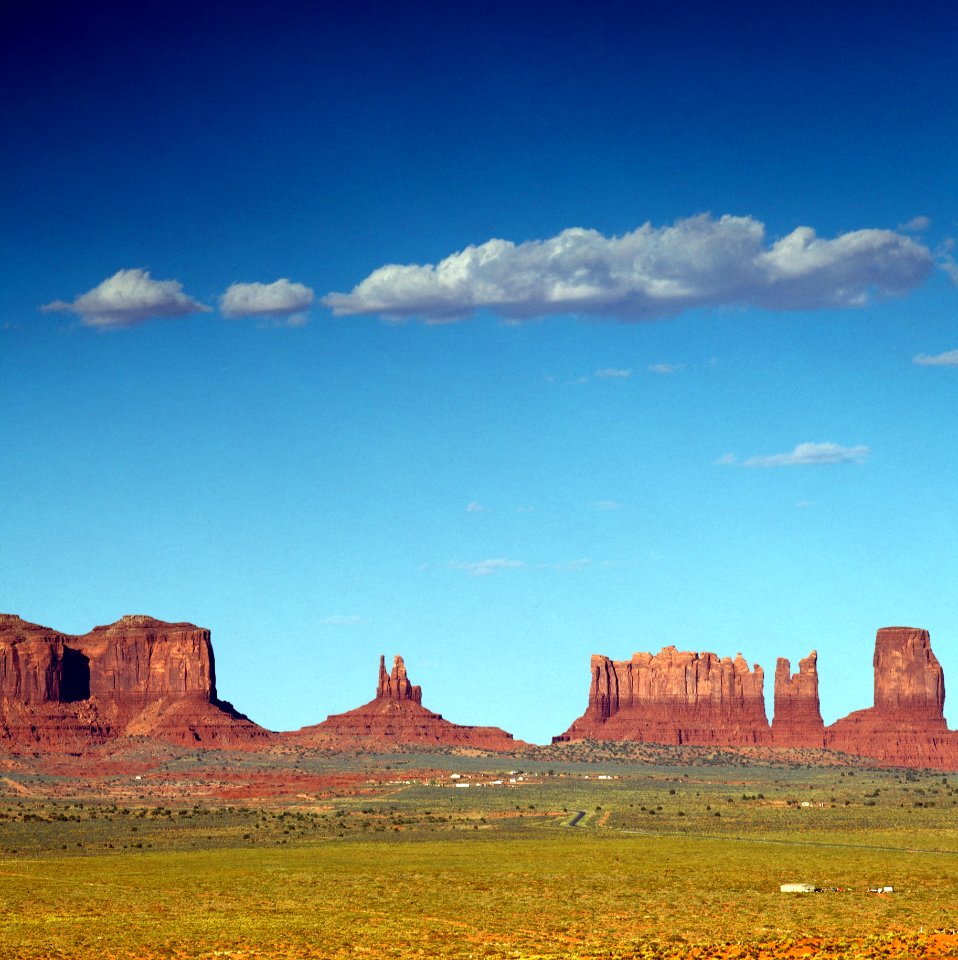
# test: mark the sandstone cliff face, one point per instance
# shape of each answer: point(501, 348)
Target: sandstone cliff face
point(31, 661)
point(908, 677)
point(396, 716)
point(139, 658)
point(798, 718)
point(136, 676)
point(674, 697)
point(906, 726)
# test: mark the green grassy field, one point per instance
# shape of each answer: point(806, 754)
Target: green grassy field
point(663, 859)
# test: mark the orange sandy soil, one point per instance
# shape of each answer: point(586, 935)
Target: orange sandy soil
point(920, 947)
point(933, 946)
point(208, 785)
point(160, 775)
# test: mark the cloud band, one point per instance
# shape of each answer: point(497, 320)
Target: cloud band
point(648, 274)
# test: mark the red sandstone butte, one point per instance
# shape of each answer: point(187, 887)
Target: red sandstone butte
point(798, 717)
point(138, 676)
point(396, 716)
point(674, 697)
point(906, 726)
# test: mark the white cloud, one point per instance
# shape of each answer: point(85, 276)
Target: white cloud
point(648, 274)
point(948, 359)
point(277, 299)
point(606, 505)
point(485, 568)
point(946, 258)
point(128, 298)
point(570, 565)
point(338, 620)
point(475, 507)
point(666, 368)
point(613, 373)
point(725, 460)
point(916, 224)
point(811, 453)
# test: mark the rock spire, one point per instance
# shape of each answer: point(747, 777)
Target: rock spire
point(798, 719)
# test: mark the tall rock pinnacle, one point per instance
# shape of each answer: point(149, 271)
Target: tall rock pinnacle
point(906, 726)
point(396, 685)
point(396, 716)
point(798, 718)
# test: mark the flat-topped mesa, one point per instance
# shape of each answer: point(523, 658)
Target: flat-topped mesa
point(906, 726)
point(140, 658)
point(396, 716)
point(396, 685)
point(136, 676)
point(135, 659)
point(798, 717)
point(674, 697)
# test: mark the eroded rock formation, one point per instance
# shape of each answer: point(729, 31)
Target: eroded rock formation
point(906, 726)
point(798, 718)
point(136, 676)
point(396, 716)
point(142, 676)
point(908, 678)
point(396, 685)
point(674, 697)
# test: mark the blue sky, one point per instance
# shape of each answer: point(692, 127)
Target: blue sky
point(494, 338)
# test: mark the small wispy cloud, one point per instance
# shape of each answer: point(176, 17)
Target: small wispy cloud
point(128, 298)
point(475, 507)
point(340, 620)
point(486, 568)
point(613, 373)
point(915, 225)
point(810, 454)
point(568, 565)
point(605, 505)
point(948, 359)
point(666, 368)
point(946, 259)
point(725, 460)
point(280, 299)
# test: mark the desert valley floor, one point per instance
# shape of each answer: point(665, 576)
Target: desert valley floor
point(587, 850)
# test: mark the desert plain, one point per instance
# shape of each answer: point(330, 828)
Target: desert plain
point(137, 849)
